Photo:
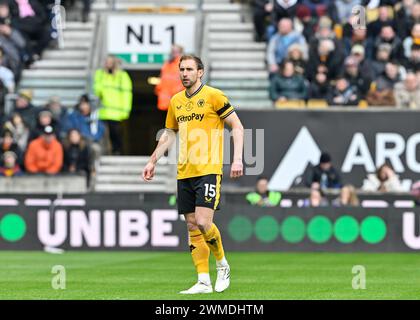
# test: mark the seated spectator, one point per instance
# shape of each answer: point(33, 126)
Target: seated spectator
point(280, 42)
point(6, 76)
point(12, 41)
point(170, 83)
point(389, 36)
point(284, 9)
point(341, 10)
point(60, 116)
point(348, 197)
point(384, 18)
point(19, 129)
point(262, 196)
point(384, 180)
point(407, 17)
point(324, 31)
point(296, 54)
point(319, 87)
point(30, 19)
point(413, 39)
point(9, 166)
point(381, 92)
point(318, 8)
point(261, 10)
point(357, 37)
point(44, 119)
point(45, 154)
point(356, 75)
point(25, 108)
point(343, 94)
point(358, 52)
point(316, 199)
point(306, 22)
point(324, 174)
point(325, 59)
point(407, 92)
point(383, 56)
point(413, 62)
point(7, 143)
point(287, 85)
point(77, 157)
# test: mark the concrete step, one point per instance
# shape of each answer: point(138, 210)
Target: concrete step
point(221, 7)
point(61, 64)
point(77, 44)
point(246, 94)
point(124, 5)
point(237, 55)
point(129, 160)
point(239, 46)
point(75, 25)
point(231, 36)
point(86, 35)
point(129, 169)
point(231, 27)
point(225, 17)
point(65, 94)
point(239, 75)
point(65, 54)
point(53, 83)
point(240, 84)
point(62, 74)
point(238, 65)
point(112, 187)
point(127, 179)
point(252, 104)
point(69, 103)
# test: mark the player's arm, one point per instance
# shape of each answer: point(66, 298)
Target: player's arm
point(234, 122)
point(165, 142)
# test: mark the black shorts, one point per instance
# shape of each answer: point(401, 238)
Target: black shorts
point(203, 191)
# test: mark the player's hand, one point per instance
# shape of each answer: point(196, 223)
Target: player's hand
point(237, 169)
point(148, 172)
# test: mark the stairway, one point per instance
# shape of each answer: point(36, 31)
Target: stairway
point(237, 62)
point(124, 5)
point(63, 72)
point(123, 174)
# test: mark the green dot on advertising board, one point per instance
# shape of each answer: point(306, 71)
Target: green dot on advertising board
point(266, 229)
point(12, 227)
point(373, 229)
point(320, 229)
point(240, 228)
point(293, 229)
point(346, 229)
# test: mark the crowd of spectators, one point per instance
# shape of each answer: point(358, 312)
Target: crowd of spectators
point(332, 51)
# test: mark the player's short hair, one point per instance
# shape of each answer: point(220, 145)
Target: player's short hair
point(200, 64)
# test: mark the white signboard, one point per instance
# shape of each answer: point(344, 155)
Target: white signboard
point(148, 38)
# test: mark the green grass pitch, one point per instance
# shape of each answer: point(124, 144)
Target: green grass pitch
point(161, 275)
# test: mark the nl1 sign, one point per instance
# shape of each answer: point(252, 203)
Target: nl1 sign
point(148, 38)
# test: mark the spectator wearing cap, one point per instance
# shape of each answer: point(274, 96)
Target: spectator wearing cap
point(262, 196)
point(413, 40)
point(381, 92)
point(307, 22)
point(324, 174)
point(24, 107)
point(44, 154)
point(325, 59)
point(287, 85)
point(9, 166)
point(12, 41)
point(30, 19)
point(6, 76)
point(383, 56)
point(280, 42)
point(7, 143)
point(356, 75)
point(388, 35)
point(384, 18)
point(358, 52)
point(407, 92)
point(261, 10)
point(343, 94)
point(77, 155)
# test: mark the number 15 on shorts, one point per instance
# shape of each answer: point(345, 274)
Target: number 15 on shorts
point(210, 190)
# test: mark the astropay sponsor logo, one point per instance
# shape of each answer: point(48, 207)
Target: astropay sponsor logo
point(388, 147)
point(192, 116)
point(93, 228)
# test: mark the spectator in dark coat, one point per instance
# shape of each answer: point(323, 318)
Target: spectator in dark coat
point(9, 166)
point(77, 155)
point(319, 87)
point(389, 36)
point(44, 119)
point(318, 8)
point(413, 62)
point(324, 174)
point(25, 108)
point(384, 18)
point(287, 85)
point(357, 76)
point(382, 90)
point(383, 56)
point(7, 143)
point(406, 17)
point(343, 94)
point(261, 10)
point(60, 115)
point(284, 9)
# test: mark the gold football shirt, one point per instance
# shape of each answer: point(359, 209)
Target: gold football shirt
point(199, 121)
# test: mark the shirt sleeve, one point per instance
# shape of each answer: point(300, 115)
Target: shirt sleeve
point(171, 122)
point(221, 105)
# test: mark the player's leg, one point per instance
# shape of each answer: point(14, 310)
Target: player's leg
point(213, 238)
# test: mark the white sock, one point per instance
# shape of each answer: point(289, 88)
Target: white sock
point(222, 263)
point(205, 278)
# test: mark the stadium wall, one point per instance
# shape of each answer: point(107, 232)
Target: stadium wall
point(126, 222)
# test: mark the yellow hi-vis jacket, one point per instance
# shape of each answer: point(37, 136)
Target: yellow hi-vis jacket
point(116, 94)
